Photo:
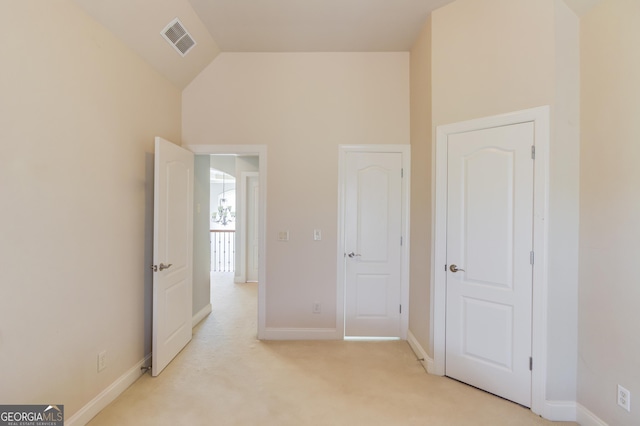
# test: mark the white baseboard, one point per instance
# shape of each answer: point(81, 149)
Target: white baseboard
point(560, 411)
point(106, 397)
point(200, 315)
point(584, 417)
point(271, 333)
point(553, 410)
point(421, 353)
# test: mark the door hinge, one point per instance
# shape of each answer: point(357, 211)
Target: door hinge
point(531, 258)
point(533, 152)
point(530, 364)
point(400, 308)
point(402, 172)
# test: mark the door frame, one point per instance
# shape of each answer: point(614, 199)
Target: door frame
point(539, 116)
point(241, 232)
point(242, 192)
point(405, 151)
point(261, 152)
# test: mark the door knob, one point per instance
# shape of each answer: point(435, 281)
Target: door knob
point(162, 266)
point(352, 254)
point(454, 268)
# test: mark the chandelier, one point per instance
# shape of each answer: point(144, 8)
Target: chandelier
point(223, 215)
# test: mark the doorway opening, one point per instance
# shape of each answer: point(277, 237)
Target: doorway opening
point(246, 248)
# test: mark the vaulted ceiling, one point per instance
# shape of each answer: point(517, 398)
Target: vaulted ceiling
point(264, 26)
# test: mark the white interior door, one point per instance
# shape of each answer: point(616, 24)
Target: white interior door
point(252, 228)
point(172, 252)
point(373, 231)
point(490, 243)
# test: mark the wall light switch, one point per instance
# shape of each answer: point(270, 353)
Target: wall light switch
point(317, 235)
point(102, 361)
point(283, 235)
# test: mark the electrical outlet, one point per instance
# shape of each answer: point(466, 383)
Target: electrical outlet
point(317, 235)
point(317, 308)
point(102, 361)
point(624, 398)
point(283, 235)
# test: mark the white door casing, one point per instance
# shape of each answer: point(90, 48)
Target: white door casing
point(539, 117)
point(261, 152)
point(253, 197)
point(489, 269)
point(172, 252)
point(373, 206)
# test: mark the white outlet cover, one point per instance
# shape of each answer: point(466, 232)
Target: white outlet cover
point(624, 398)
point(317, 235)
point(283, 235)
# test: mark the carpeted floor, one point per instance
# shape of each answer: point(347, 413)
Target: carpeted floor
point(227, 377)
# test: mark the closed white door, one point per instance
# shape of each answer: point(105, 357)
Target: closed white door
point(172, 252)
point(489, 259)
point(373, 231)
point(252, 228)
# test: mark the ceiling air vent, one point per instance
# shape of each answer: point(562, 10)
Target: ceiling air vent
point(178, 37)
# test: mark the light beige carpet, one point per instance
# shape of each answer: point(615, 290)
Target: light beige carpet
point(227, 377)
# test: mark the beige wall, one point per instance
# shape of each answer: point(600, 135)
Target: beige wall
point(302, 106)
point(609, 347)
point(78, 113)
point(421, 181)
point(491, 57)
point(499, 56)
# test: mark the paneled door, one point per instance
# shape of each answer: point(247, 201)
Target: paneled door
point(373, 231)
point(489, 259)
point(172, 252)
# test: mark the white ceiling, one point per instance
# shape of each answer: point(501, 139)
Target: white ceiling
point(265, 26)
point(314, 25)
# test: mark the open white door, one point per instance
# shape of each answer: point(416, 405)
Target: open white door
point(489, 248)
point(172, 252)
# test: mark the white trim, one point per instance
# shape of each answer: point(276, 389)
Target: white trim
point(241, 231)
point(200, 315)
point(108, 395)
point(240, 275)
point(272, 333)
point(405, 150)
point(540, 117)
point(261, 152)
point(423, 357)
point(584, 417)
point(560, 411)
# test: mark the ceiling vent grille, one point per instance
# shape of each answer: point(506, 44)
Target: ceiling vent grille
point(178, 37)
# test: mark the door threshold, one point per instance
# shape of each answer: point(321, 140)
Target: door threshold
point(370, 338)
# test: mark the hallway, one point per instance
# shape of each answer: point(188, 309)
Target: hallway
point(227, 377)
